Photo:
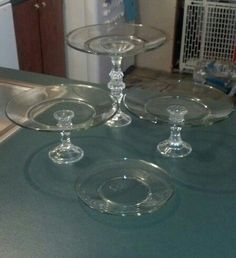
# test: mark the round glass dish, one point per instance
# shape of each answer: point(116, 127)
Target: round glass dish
point(125, 187)
point(219, 105)
point(35, 108)
point(115, 39)
point(158, 107)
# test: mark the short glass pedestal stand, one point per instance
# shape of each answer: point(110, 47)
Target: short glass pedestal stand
point(62, 108)
point(178, 103)
point(117, 40)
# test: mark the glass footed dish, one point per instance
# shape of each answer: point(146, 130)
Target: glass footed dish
point(125, 187)
point(62, 108)
point(205, 104)
point(116, 40)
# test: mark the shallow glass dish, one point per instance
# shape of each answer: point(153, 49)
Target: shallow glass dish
point(205, 104)
point(35, 108)
point(158, 107)
point(125, 187)
point(121, 39)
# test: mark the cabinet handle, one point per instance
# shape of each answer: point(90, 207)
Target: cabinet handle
point(44, 4)
point(37, 6)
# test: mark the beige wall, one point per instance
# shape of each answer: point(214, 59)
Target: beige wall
point(160, 14)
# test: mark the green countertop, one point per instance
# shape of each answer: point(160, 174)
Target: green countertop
point(42, 217)
point(29, 77)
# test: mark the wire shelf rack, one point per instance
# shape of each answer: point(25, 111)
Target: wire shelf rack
point(209, 32)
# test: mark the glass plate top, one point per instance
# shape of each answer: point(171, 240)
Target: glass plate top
point(125, 187)
point(205, 104)
point(158, 107)
point(116, 39)
point(38, 108)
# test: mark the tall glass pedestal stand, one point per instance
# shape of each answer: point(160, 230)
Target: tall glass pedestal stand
point(117, 40)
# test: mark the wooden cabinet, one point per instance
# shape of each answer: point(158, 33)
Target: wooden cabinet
point(40, 36)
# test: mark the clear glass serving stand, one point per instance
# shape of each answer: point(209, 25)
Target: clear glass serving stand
point(62, 108)
point(116, 40)
point(178, 104)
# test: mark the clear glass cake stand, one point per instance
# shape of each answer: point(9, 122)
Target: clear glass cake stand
point(62, 108)
point(178, 103)
point(116, 40)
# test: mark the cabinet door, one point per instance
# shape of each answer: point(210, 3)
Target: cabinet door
point(26, 17)
point(52, 36)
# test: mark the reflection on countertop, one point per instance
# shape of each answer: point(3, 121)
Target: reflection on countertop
point(7, 90)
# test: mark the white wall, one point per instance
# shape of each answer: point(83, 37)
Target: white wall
point(160, 14)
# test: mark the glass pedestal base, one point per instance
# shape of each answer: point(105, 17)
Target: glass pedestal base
point(66, 154)
point(119, 120)
point(166, 148)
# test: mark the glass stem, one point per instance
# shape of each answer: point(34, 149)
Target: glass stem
point(116, 84)
point(175, 139)
point(65, 139)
